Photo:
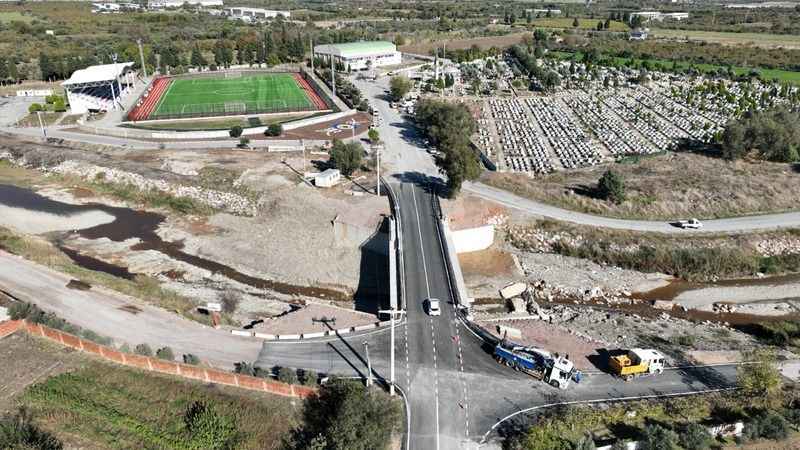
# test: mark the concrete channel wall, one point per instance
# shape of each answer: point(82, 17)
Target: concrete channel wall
point(151, 364)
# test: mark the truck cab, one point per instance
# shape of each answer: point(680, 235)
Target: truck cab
point(560, 372)
point(637, 362)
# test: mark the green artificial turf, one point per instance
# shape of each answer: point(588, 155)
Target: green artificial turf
point(248, 94)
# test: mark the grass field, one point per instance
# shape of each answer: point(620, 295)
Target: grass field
point(113, 407)
point(584, 24)
point(251, 94)
point(758, 39)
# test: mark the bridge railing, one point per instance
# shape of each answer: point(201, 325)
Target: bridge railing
point(398, 244)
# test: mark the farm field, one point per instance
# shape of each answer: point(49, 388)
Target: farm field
point(248, 94)
point(758, 39)
point(423, 48)
point(14, 16)
point(99, 405)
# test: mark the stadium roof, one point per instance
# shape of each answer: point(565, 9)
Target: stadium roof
point(363, 48)
point(94, 74)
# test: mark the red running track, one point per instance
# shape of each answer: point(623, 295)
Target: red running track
point(143, 111)
point(312, 94)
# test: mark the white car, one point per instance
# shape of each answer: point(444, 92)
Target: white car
point(432, 306)
point(691, 223)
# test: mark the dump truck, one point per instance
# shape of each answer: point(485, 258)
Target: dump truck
point(637, 362)
point(557, 371)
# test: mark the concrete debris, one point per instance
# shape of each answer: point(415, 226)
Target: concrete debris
point(663, 304)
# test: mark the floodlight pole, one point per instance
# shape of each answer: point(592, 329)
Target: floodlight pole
point(141, 56)
point(311, 43)
point(378, 180)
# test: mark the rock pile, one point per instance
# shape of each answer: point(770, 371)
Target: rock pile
point(226, 201)
point(541, 241)
point(784, 245)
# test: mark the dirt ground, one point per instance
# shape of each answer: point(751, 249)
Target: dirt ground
point(304, 320)
point(27, 360)
point(671, 186)
point(468, 211)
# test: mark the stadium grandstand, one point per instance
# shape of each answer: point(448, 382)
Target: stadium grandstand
point(99, 88)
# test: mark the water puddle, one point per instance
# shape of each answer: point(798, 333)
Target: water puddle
point(676, 287)
point(131, 223)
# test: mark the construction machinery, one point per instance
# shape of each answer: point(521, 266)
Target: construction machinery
point(637, 362)
point(557, 371)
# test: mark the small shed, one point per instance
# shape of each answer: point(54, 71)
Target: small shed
point(328, 178)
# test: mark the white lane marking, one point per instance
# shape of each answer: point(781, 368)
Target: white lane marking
point(421, 247)
point(435, 381)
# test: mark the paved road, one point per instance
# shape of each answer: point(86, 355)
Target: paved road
point(730, 225)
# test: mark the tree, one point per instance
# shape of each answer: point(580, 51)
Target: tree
point(274, 129)
point(197, 58)
point(309, 378)
point(346, 157)
point(449, 127)
point(143, 349)
point(244, 368)
point(607, 24)
point(191, 359)
point(236, 131)
point(611, 187)
point(656, 437)
point(760, 380)
point(575, 23)
point(373, 135)
point(599, 26)
point(344, 415)
point(165, 353)
point(695, 437)
point(399, 86)
point(585, 443)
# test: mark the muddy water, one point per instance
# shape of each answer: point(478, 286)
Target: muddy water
point(131, 223)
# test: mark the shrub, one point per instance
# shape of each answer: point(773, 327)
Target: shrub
point(35, 107)
point(143, 349)
point(209, 429)
point(695, 437)
point(189, 358)
point(274, 129)
point(310, 378)
point(244, 142)
point(230, 301)
point(125, 348)
point(287, 375)
point(686, 340)
point(236, 131)
point(59, 105)
point(165, 353)
point(244, 368)
point(20, 432)
point(656, 437)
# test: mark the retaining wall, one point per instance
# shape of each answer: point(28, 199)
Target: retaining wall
point(151, 364)
point(473, 239)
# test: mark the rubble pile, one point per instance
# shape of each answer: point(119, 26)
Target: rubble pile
point(233, 203)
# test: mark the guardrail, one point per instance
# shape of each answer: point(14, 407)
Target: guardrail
point(395, 206)
point(314, 335)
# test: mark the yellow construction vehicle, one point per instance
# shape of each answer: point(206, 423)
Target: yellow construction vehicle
point(637, 362)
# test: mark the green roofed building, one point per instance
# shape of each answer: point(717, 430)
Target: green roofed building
point(360, 55)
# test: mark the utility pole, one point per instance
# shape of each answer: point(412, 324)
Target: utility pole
point(141, 56)
point(369, 364)
point(311, 43)
point(391, 313)
point(41, 124)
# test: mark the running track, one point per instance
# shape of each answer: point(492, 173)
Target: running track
point(149, 104)
point(312, 94)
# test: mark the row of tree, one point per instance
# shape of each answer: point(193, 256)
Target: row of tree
point(449, 127)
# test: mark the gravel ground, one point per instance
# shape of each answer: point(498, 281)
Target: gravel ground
point(738, 294)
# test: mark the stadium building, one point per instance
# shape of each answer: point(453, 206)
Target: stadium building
point(99, 88)
point(357, 55)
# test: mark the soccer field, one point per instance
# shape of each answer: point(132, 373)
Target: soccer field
point(246, 94)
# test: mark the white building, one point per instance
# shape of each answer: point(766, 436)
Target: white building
point(360, 55)
point(99, 88)
point(660, 16)
point(255, 13)
point(328, 178)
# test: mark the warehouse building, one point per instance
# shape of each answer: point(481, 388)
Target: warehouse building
point(360, 55)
